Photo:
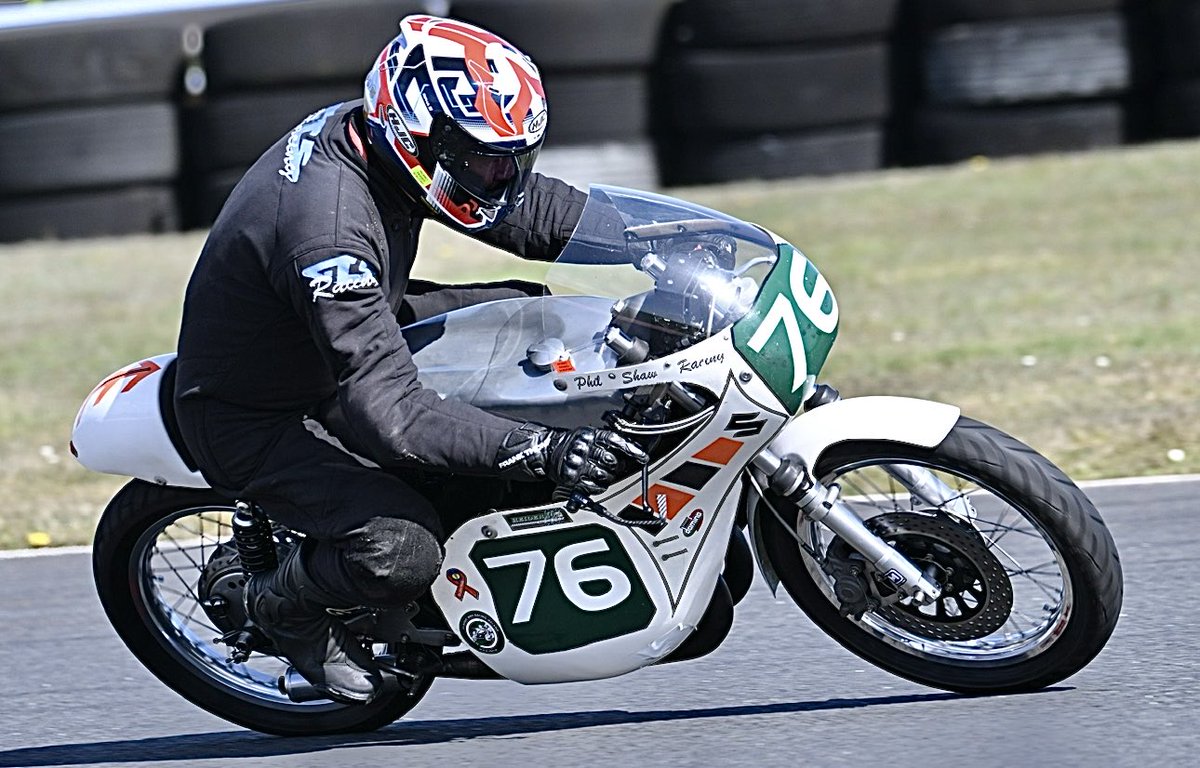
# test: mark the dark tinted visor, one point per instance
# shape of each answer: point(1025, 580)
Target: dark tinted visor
point(494, 176)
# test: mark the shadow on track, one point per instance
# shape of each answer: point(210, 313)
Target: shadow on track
point(247, 744)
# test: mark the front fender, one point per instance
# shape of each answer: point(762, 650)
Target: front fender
point(896, 419)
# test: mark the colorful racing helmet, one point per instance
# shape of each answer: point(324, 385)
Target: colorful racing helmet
point(462, 112)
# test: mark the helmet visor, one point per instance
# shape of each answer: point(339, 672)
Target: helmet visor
point(495, 177)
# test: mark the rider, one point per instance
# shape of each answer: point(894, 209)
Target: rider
point(293, 315)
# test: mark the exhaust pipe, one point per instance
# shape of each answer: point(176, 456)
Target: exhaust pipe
point(293, 685)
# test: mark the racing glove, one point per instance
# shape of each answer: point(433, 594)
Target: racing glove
point(585, 459)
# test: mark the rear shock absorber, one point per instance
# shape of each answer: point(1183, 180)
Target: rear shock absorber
point(254, 539)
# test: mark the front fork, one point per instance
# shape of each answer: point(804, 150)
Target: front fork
point(790, 478)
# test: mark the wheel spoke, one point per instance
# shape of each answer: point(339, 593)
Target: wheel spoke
point(174, 557)
point(1025, 571)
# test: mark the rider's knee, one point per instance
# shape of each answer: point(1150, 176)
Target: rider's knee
point(392, 560)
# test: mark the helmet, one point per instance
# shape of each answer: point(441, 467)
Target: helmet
point(462, 112)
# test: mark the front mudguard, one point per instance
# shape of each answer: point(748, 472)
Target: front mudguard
point(896, 419)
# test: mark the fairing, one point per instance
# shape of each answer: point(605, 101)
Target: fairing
point(668, 272)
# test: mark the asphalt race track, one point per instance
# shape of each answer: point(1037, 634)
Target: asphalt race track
point(777, 693)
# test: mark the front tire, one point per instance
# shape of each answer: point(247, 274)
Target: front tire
point(151, 544)
point(1055, 550)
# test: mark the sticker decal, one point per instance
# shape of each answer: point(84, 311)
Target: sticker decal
point(687, 366)
point(405, 138)
point(338, 275)
point(745, 424)
point(664, 500)
point(561, 589)
point(692, 522)
point(481, 632)
point(791, 328)
point(668, 501)
point(461, 587)
point(300, 143)
point(538, 123)
point(131, 377)
point(519, 521)
point(719, 451)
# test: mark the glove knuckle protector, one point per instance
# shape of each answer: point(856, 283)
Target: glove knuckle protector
point(587, 459)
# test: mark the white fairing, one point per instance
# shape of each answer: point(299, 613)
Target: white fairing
point(896, 419)
point(120, 430)
point(900, 419)
point(542, 596)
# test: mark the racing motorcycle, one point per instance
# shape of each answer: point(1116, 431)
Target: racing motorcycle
point(928, 543)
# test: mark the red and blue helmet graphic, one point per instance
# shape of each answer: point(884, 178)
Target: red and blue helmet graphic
point(463, 111)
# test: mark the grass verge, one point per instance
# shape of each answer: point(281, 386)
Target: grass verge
point(1055, 297)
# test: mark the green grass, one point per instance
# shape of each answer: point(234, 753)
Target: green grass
point(1056, 297)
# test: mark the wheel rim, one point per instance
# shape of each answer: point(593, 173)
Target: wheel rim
point(1041, 585)
point(166, 564)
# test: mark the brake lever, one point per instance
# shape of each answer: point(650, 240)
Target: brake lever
point(578, 500)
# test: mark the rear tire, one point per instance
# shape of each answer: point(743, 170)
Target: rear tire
point(146, 574)
point(1052, 514)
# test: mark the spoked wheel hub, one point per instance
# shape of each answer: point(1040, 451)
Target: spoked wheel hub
point(220, 588)
point(977, 596)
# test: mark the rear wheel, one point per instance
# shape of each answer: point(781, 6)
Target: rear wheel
point(1031, 578)
point(151, 562)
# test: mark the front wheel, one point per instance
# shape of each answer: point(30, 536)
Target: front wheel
point(1031, 577)
point(159, 554)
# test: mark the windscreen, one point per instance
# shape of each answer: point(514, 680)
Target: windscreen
point(688, 266)
point(660, 270)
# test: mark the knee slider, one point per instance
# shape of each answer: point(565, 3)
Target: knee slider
point(393, 560)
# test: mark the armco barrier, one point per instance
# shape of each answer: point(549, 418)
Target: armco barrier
point(131, 120)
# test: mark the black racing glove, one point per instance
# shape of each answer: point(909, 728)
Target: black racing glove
point(584, 459)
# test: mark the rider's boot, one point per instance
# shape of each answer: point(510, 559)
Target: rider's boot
point(289, 608)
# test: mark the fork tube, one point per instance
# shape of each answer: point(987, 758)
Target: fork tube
point(929, 488)
point(919, 481)
point(790, 478)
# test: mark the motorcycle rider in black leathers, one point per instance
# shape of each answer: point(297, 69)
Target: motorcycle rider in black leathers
point(293, 315)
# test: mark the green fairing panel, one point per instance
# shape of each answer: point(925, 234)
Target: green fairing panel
point(789, 331)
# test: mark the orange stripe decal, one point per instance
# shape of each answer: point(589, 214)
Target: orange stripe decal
point(719, 451)
point(666, 501)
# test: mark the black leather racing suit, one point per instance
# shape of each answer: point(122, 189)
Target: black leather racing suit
point(294, 310)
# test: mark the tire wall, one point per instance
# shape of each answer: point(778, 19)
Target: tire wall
point(145, 123)
point(1012, 77)
point(89, 130)
point(773, 88)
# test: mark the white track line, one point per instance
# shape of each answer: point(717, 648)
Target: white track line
point(17, 554)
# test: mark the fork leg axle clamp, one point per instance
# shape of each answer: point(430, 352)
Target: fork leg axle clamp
point(790, 478)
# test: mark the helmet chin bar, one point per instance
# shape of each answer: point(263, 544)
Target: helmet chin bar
point(469, 214)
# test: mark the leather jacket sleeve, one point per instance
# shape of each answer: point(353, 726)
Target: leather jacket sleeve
point(540, 226)
point(392, 417)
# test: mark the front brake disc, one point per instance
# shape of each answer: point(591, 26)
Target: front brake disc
point(977, 596)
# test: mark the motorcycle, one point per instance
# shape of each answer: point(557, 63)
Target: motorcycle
point(927, 543)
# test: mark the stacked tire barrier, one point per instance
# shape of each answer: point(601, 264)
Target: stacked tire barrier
point(1173, 50)
point(89, 131)
point(1009, 77)
point(144, 123)
point(773, 88)
point(596, 58)
point(265, 72)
